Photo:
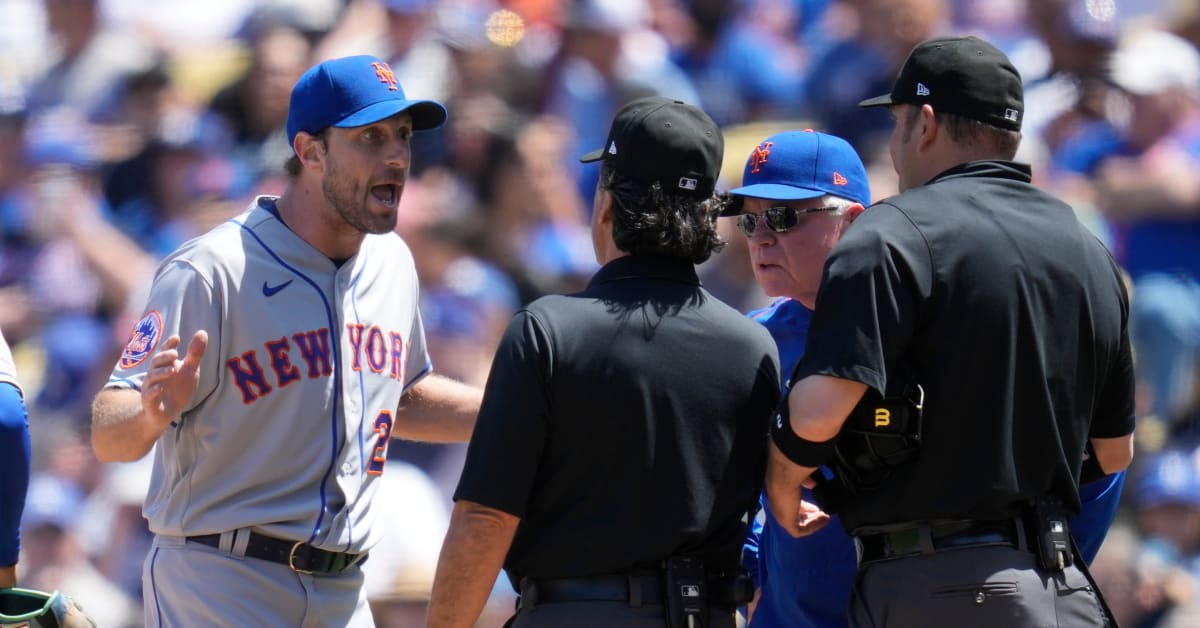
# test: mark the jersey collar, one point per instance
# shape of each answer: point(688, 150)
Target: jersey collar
point(993, 169)
point(646, 267)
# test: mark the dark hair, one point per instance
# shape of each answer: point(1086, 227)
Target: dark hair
point(648, 221)
point(991, 139)
point(292, 166)
point(1001, 142)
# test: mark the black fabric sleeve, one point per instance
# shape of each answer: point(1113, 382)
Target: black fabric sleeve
point(1114, 413)
point(873, 285)
point(510, 433)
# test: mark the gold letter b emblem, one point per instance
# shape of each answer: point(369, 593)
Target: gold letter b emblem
point(883, 417)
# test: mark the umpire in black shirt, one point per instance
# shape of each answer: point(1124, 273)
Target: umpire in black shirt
point(622, 436)
point(975, 334)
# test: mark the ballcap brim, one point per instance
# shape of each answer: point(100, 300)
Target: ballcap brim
point(595, 155)
point(771, 191)
point(426, 114)
point(878, 101)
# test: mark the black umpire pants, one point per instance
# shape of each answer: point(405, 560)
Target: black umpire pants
point(992, 586)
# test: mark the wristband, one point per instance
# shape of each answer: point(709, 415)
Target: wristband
point(805, 453)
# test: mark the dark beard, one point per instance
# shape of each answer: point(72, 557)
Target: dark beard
point(344, 197)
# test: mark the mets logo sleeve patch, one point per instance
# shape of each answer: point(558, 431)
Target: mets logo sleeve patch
point(142, 340)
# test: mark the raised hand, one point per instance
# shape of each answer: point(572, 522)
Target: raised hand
point(170, 382)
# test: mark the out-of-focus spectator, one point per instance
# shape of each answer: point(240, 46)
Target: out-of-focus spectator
point(67, 286)
point(511, 184)
point(466, 303)
point(1167, 502)
point(178, 187)
point(89, 59)
point(402, 32)
point(744, 57)
point(1066, 84)
point(1070, 100)
point(18, 245)
point(110, 525)
point(399, 575)
point(23, 39)
point(53, 558)
point(138, 107)
point(608, 56)
point(1146, 185)
point(864, 64)
point(254, 108)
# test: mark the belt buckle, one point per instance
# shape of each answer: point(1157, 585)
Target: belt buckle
point(292, 559)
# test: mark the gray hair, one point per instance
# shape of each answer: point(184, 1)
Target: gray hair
point(842, 204)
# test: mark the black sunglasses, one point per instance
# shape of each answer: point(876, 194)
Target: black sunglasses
point(779, 219)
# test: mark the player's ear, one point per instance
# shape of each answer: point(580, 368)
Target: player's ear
point(928, 128)
point(604, 208)
point(310, 149)
point(854, 211)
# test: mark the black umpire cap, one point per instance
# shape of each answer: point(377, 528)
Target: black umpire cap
point(666, 141)
point(965, 76)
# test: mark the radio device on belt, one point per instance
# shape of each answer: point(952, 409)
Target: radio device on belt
point(1051, 534)
point(686, 595)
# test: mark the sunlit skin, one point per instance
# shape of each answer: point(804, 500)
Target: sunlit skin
point(902, 148)
point(789, 264)
point(365, 171)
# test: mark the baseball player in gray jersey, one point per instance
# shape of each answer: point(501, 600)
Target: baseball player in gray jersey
point(307, 353)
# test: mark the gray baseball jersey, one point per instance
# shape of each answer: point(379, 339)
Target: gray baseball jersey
point(8, 366)
point(306, 363)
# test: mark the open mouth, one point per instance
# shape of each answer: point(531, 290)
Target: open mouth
point(387, 194)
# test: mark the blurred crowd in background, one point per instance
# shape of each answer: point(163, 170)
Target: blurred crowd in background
point(130, 126)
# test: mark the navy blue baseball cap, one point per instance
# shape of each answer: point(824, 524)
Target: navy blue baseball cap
point(799, 165)
point(354, 91)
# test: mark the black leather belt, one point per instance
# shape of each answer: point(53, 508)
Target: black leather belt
point(637, 590)
point(928, 538)
point(301, 557)
point(633, 589)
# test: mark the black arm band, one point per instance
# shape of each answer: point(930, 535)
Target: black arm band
point(805, 453)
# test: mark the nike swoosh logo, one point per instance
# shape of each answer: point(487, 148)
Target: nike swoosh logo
point(270, 291)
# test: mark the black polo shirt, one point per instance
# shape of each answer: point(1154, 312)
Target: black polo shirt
point(624, 424)
point(1009, 313)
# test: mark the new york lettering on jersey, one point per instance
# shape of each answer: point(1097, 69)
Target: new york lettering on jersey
point(382, 353)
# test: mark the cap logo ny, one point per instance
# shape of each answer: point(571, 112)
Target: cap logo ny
point(922, 90)
point(759, 156)
point(385, 74)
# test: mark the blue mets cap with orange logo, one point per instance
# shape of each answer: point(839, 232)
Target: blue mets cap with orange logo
point(799, 165)
point(354, 91)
